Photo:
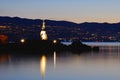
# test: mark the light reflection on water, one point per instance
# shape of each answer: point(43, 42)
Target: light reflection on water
point(43, 63)
point(102, 65)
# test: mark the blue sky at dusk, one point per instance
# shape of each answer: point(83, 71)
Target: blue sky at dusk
point(71, 10)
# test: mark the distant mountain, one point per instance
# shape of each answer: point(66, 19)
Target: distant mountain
point(30, 28)
point(29, 22)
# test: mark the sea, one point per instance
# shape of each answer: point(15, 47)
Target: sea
point(101, 65)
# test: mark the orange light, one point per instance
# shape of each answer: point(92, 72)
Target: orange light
point(22, 40)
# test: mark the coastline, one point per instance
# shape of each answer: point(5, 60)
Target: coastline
point(35, 46)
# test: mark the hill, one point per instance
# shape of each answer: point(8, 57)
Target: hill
point(17, 28)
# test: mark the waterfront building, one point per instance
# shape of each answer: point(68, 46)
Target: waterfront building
point(43, 34)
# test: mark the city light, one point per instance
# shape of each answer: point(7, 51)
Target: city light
point(22, 40)
point(54, 41)
point(43, 35)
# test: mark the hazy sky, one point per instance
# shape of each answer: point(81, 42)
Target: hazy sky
point(71, 10)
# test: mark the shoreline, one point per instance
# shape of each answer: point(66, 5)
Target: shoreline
point(35, 45)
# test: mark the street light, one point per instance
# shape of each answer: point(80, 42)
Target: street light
point(54, 41)
point(22, 40)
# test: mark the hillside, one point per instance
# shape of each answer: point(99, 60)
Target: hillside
point(17, 28)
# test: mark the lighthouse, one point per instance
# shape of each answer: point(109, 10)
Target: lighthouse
point(43, 34)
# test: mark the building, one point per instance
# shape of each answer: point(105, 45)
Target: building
point(43, 34)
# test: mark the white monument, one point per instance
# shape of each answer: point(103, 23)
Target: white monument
point(43, 33)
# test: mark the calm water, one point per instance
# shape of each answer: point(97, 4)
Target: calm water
point(102, 65)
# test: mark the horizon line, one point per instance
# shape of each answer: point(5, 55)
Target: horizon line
point(62, 20)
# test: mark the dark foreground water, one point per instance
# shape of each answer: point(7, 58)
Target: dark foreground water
point(102, 65)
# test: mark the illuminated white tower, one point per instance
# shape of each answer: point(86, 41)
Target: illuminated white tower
point(43, 34)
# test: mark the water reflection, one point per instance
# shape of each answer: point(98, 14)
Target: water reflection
point(54, 57)
point(102, 65)
point(5, 58)
point(110, 50)
point(43, 62)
